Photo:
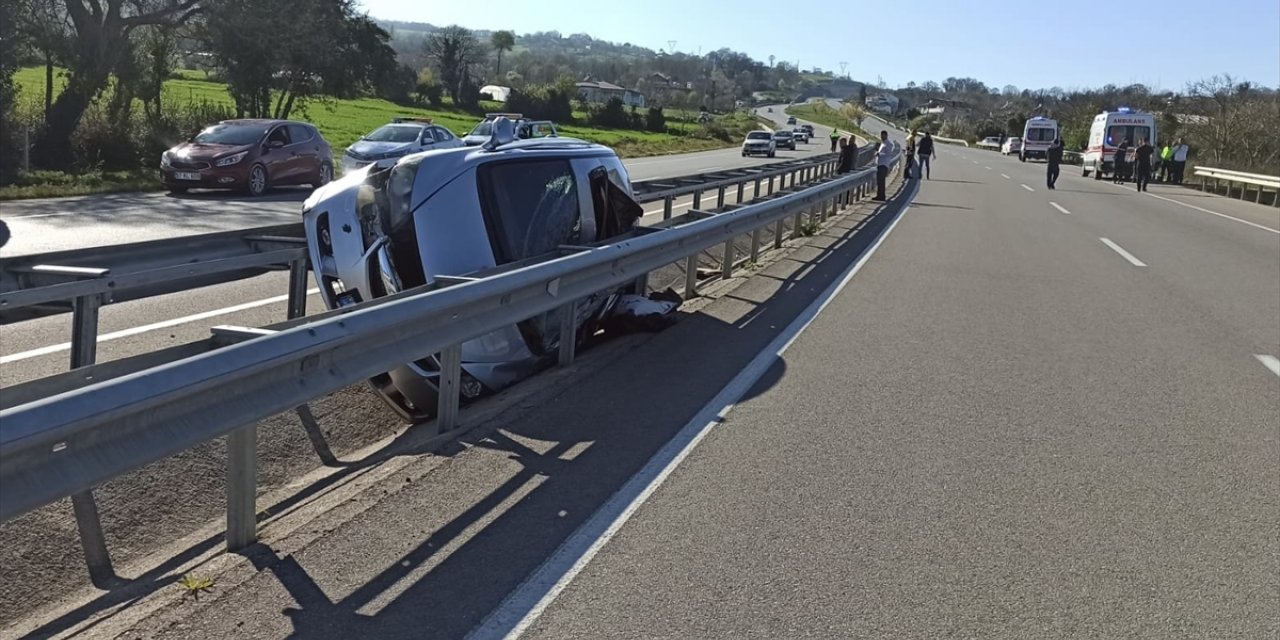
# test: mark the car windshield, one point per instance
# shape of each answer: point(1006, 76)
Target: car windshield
point(230, 134)
point(483, 129)
point(395, 133)
point(757, 135)
point(782, 134)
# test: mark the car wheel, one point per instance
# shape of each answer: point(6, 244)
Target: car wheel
point(1022, 157)
point(1097, 171)
point(325, 175)
point(258, 180)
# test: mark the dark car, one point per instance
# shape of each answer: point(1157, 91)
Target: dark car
point(785, 140)
point(249, 155)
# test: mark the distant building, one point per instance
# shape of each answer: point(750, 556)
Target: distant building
point(598, 92)
point(883, 103)
point(946, 108)
point(495, 92)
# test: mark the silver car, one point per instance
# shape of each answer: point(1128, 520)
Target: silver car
point(400, 138)
point(759, 143)
point(462, 212)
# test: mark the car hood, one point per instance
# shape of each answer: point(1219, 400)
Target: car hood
point(370, 148)
point(205, 151)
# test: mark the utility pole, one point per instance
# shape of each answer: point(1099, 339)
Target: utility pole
point(671, 46)
point(843, 65)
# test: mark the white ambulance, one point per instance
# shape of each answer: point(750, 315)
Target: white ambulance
point(1037, 135)
point(1110, 128)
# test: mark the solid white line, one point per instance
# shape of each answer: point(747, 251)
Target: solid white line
point(1028, 188)
point(1125, 254)
point(1220, 215)
point(524, 605)
point(124, 333)
point(1005, 176)
point(1060, 208)
point(1270, 362)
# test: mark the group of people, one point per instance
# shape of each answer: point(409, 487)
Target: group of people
point(1141, 168)
point(921, 153)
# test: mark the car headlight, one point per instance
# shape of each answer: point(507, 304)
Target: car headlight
point(232, 159)
point(164, 159)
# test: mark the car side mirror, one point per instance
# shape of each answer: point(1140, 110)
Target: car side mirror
point(275, 144)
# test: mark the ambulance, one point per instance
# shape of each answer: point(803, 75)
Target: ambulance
point(1037, 135)
point(1109, 129)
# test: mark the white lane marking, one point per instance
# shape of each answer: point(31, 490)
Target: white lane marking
point(1125, 254)
point(1028, 188)
point(974, 161)
point(125, 333)
point(1220, 215)
point(1270, 362)
point(1060, 208)
point(987, 168)
point(1005, 176)
point(528, 601)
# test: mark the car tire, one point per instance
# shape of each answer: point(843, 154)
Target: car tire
point(1097, 171)
point(772, 154)
point(324, 175)
point(259, 181)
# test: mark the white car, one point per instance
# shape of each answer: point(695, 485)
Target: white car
point(400, 138)
point(801, 134)
point(1011, 146)
point(990, 142)
point(759, 142)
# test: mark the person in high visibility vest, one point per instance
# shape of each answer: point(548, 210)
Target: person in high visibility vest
point(1166, 164)
point(835, 138)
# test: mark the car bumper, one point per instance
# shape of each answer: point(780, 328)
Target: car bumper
point(350, 164)
point(232, 177)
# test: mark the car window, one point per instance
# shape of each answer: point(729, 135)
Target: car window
point(1041, 134)
point(299, 133)
point(441, 135)
point(231, 134)
point(279, 134)
point(395, 133)
point(531, 207)
point(757, 135)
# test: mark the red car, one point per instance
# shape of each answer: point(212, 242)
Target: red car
point(249, 155)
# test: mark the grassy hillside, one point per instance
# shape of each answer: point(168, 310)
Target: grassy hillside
point(342, 122)
point(825, 115)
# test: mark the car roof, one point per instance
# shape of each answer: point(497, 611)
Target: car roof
point(258, 121)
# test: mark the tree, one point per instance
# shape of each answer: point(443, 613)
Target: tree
point(10, 41)
point(457, 55)
point(158, 50)
point(47, 29)
point(102, 32)
point(501, 41)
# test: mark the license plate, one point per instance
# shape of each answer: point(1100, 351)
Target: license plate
point(186, 175)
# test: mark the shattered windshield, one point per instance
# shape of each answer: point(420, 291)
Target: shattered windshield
point(535, 210)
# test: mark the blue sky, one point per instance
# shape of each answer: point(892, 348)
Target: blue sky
point(1027, 44)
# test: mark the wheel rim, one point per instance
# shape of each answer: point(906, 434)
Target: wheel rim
point(258, 180)
point(326, 174)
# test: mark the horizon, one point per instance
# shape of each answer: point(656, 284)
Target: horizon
point(1253, 54)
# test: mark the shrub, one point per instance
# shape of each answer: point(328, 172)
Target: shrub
point(655, 121)
point(613, 115)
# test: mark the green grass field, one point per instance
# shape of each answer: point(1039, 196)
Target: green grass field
point(824, 115)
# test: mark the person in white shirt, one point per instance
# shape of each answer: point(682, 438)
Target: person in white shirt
point(884, 158)
point(1180, 151)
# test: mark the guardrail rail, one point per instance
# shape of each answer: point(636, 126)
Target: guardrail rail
point(1259, 182)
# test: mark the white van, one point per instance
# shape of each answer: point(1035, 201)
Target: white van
point(1037, 135)
point(1109, 129)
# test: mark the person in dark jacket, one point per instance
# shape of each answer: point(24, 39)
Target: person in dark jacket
point(925, 151)
point(847, 152)
point(1121, 163)
point(1054, 157)
point(1142, 170)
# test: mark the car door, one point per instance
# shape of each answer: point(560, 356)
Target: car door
point(304, 153)
point(277, 156)
point(444, 138)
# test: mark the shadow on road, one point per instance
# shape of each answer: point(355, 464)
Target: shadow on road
point(622, 414)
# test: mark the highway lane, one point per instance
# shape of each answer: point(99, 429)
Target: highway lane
point(70, 223)
point(1020, 420)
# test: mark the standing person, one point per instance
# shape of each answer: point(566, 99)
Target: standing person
point(1054, 158)
point(1142, 174)
point(925, 151)
point(1121, 162)
point(835, 139)
point(847, 152)
point(1180, 151)
point(1166, 164)
point(884, 157)
point(911, 156)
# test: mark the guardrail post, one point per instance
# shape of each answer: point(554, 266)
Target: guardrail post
point(697, 199)
point(297, 288)
point(666, 207)
point(1257, 199)
point(691, 277)
point(730, 254)
point(755, 245)
point(450, 382)
point(568, 333)
point(720, 198)
point(778, 229)
point(795, 232)
point(770, 185)
point(742, 192)
point(84, 352)
point(242, 487)
point(756, 193)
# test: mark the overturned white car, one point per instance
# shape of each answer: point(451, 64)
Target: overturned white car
point(404, 223)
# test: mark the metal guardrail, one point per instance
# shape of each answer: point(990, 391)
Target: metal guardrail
point(64, 434)
point(1259, 181)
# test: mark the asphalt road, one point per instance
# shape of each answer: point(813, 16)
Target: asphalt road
point(1032, 413)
